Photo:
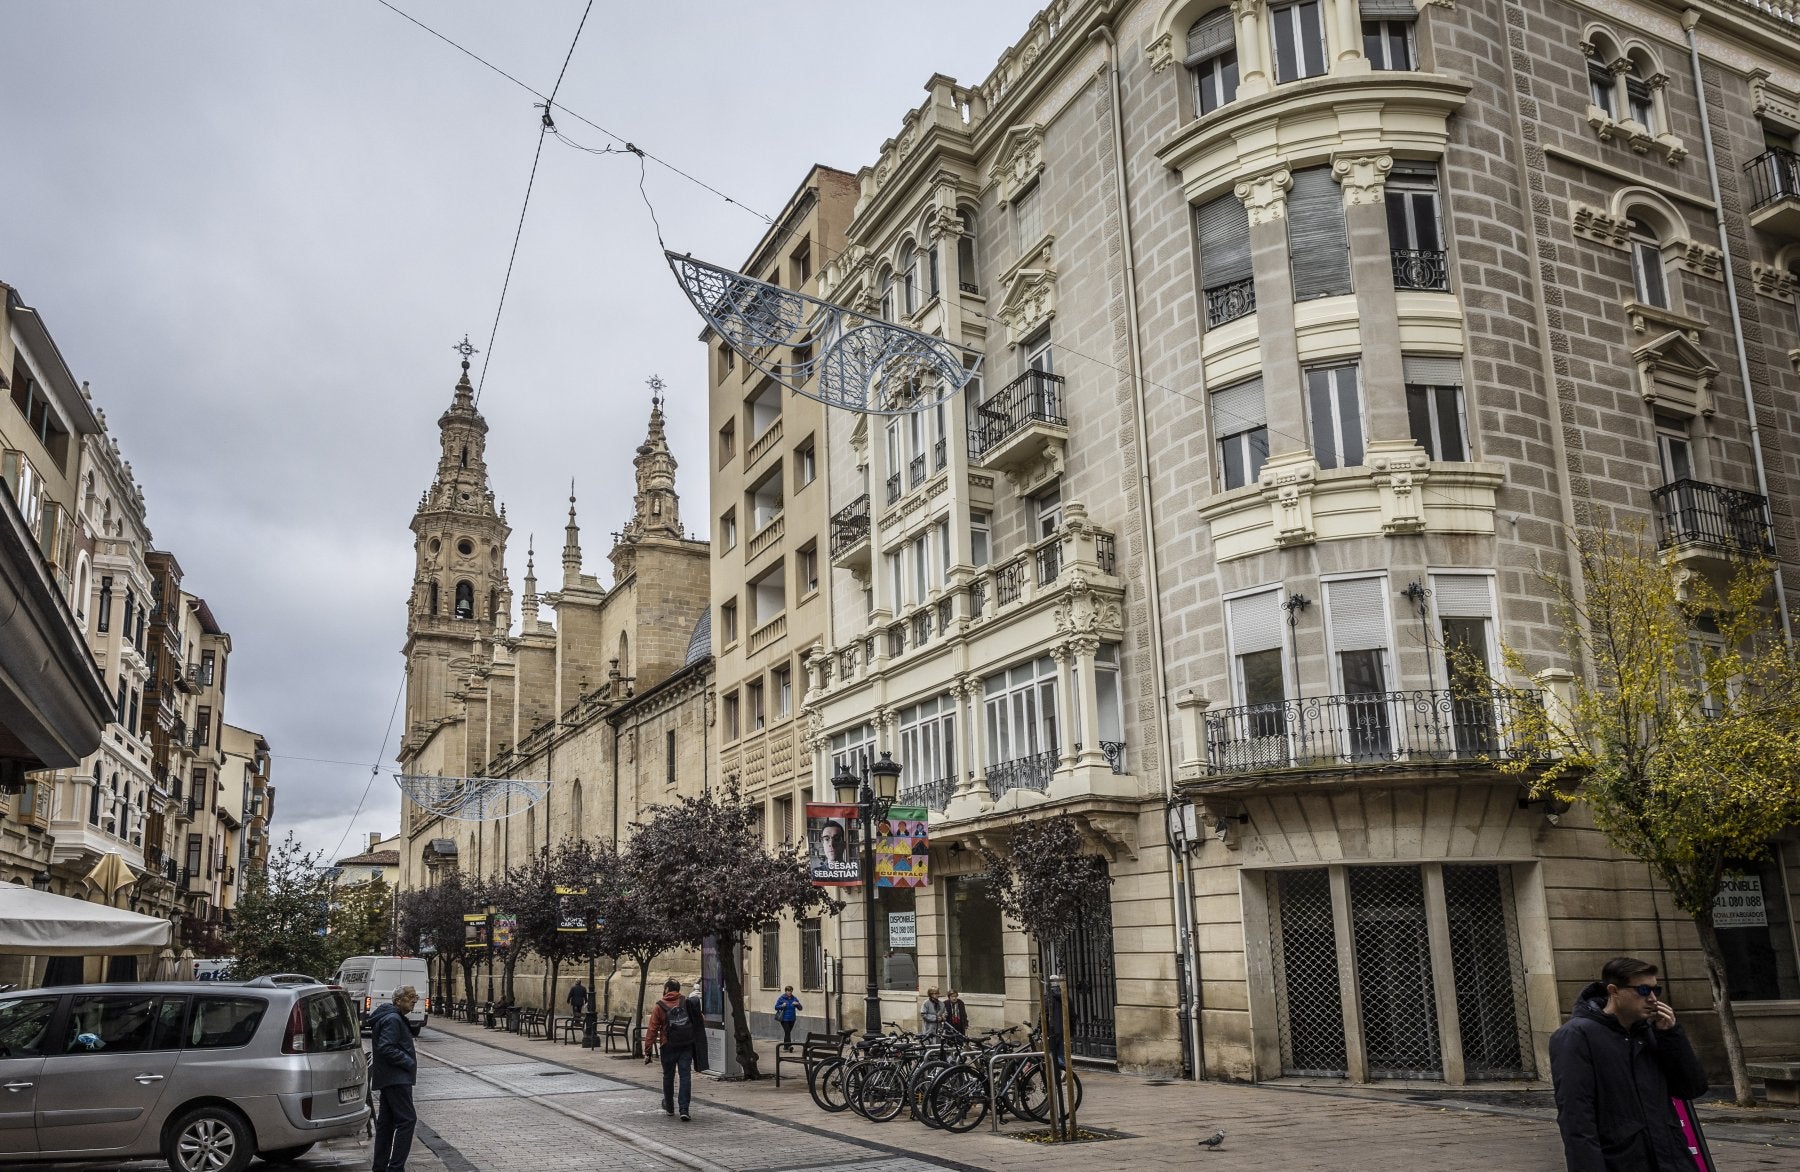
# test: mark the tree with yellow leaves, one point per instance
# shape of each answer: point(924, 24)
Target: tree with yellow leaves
point(1681, 732)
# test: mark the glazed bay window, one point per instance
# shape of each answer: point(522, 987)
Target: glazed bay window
point(1222, 232)
point(1212, 60)
point(1298, 33)
point(851, 747)
point(1020, 707)
point(1318, 244)
point(1434, 405)
point(1415, 232)
point(1387, 32)
point(928, 751)
point(1240, 423)
point(1335, 403)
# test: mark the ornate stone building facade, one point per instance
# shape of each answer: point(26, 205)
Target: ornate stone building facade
point(1311, 326)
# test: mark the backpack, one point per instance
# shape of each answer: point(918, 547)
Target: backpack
point(680, 1027)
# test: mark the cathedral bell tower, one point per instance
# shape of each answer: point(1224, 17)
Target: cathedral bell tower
point(656, 507)
point(461, 601)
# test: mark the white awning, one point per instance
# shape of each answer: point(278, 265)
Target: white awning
point(37, 923)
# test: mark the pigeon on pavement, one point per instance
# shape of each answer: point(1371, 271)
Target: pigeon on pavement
point(1214, 1140)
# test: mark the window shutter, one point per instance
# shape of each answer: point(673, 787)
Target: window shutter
point(1358, 614)
point(1255, 622)
point(1432, 370)
point(1318, 246)
point(1463, 596)
point(1223, 226)
point(1238, 408)
point(1211, 35)
point(1389, 10)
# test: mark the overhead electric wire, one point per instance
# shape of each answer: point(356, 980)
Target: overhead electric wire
point(512, 257)
point(374, 770)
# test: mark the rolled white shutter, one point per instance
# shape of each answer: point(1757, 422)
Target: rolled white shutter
point(1223, 226)
point(1357, 609)
point(1211, 34)
point(1432, 370)
point(1463, 596)
point(1239, 408)
point(1255, 622)
point(1318, 245)
point(1389, 10)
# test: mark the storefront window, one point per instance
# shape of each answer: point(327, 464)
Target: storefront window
point(897, 937)
point(1755, 921)
point(977, 947)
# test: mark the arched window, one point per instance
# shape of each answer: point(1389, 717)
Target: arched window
point(933, 290)
point(965, 253)
point(1647, 271)
point(493, 605)
point(1640, 99)
point(909, 268)
point(1212, 60)
point(886, 283)
point(465, 600)
point(463, 457)
point(624, 653)
point(1602, 85)
point(575, 812)
point(434, 596)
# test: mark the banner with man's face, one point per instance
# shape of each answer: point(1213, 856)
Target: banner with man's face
point(831, 855)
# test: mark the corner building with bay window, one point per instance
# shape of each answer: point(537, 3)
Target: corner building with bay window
point(1310, 328)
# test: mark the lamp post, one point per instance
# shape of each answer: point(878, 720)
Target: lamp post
point(492, 911)
point(873, 795)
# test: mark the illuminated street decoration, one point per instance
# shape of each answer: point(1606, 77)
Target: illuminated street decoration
point(471, 799)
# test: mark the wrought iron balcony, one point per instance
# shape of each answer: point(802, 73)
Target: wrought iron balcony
point(1774, 181)
point(1048, 558)
point(1032, 773)
point(916, 471)
point(1009, 582)
point(1229, 302)
point(1689, 512)
point(850, 526)
point(893, 488)
point(1004, 424)
point(1114, 752)
point(1421, 268)
point(940, 454)
point(933, 794)
point(1106, 552)
point(1364, 729)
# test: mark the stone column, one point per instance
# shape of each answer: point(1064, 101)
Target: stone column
point(1085, 648)
point(1065, 703)
point(1253, 76)
point(1364, 182)
point(971, 798)
point(1265, 199)
point(1347, 19)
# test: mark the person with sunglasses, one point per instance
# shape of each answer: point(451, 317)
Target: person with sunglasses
point(1616, 1063)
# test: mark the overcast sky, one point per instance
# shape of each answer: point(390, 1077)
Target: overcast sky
point(257, 230)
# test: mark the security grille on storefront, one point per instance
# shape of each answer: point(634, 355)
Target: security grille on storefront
point(1490, 981)
point(1311, 1010)
point(1393, 973)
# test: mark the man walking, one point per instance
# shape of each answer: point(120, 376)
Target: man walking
point(578, 999)
point(675, 1025)
point(393, 1068)
point(787, 1008)
point(1616, 1063)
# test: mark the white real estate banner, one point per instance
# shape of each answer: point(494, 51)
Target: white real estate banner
point(1739, 903)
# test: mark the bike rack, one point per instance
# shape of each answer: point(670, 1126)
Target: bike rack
point(993, 1103)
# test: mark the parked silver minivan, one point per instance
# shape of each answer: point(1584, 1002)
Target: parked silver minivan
point(207, 1075)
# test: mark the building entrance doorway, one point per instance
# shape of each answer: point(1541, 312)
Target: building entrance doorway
point(1087, 959)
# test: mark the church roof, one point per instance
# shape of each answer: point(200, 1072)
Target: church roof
point(700, 642)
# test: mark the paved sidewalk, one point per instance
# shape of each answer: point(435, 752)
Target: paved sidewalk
point(1288, 1128)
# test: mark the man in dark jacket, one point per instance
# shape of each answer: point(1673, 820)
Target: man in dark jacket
point(1616, 1063)
point(678, 1027)
point(393, 1068)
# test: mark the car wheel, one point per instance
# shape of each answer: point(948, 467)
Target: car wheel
point(209, 1139)
point(284, 1155)
point(414, 1028)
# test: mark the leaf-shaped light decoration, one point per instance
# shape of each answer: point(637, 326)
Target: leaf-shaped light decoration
point(471, 799)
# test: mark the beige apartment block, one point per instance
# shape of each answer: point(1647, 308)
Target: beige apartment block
point(1310, 327)
point(244, 798)
point(608, 701)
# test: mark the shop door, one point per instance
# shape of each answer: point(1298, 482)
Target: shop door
point(1311, 1008)
point(1393, 973)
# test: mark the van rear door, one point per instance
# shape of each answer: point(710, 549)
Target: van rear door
point(333, 1054)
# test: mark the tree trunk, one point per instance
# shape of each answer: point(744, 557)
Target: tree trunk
point(550, 1002)
point(1721, 996)
point(734, 997)
point(637, 1018)
point(468, 968)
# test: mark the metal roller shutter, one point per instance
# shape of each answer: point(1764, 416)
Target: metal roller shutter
point(1255, 621)
point(1432, 370)
point(1318, 246)
point(1358, 611)
point(1239, 408)
point(1463, 596)
point(1210, 35)
point(1223, 227)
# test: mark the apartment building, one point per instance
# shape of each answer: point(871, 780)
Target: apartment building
point(245, 799)
point(1310, 329)
point(53, 703)
point(771, 551)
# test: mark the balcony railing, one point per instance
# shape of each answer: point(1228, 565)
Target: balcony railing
point(1009, 582)
point(1363, 729)
point(916, 471)
point(1421, 268)
point(933, 794)
point(1032, 773)
point(1774, 175)
point(1114, 752)
point(893, 488)
point(764, 443)
point(850, 525)
point(1689, 512)
point(921, 628)
point(1106, 553)
point(1048, 558)
point(1229, 302)
point(1034, 396)
point(767, 537)
point(940, 454)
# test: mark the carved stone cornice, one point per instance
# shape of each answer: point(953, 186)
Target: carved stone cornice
point(1019, 162)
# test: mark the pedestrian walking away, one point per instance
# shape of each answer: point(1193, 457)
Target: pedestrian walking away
point(393, 1069)
point(1616, 1065)
point(787, 1007)
point(578, 998)
point(931, 1013)
point(676, 1025)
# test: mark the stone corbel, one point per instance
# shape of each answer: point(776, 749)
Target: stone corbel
point(1116, 833)
point(1702, 260)
point(1364, 179)
point(1774, 282)
point(1288, 487)
point(1599, 225)
point(1047, 466)
point(1670, 147)
point(1399, 470)
point(1265, 197)
point(1222, 819)
point(1603, 126)
point(1160, 53)
point(946, 221)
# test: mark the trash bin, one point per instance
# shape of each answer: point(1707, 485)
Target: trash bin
point(512, 1019)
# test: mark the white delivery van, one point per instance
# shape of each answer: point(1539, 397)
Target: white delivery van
point(371, 981)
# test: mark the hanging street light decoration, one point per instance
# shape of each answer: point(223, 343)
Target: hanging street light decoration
point(471, 799)
point(836, 355)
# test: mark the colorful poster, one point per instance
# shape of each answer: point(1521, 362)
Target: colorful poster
point(903, 848)
point(475, 931)
point(504, 927)
point(830, 847)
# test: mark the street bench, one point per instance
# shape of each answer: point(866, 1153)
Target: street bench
point(617, 1026)
point(1782, 1079)
point(817, 1048)
point(570, 1029)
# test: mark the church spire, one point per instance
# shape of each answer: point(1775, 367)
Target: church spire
point(571, 556)
point(528, 606)
point(656, 510)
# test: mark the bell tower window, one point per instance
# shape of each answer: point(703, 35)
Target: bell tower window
point(434, 596)
point(463, 456)
point(465, 600)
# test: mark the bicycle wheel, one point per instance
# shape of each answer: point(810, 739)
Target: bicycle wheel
point(854, 1077)
point(1030, 1098)
point(919, 1083)
point(957, 1099)
point(825, 1082)
point(882, 1094)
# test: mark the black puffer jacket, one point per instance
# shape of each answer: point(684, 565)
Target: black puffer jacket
point(1613, 1087)
point(392, 1061)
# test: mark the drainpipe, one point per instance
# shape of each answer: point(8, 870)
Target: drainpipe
point(1690, 20)
point(1193, 1055)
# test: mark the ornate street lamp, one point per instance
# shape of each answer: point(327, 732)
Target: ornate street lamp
point(492, 911)
point(873, 794)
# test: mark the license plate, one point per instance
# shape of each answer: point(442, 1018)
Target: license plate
point(350, 1094)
